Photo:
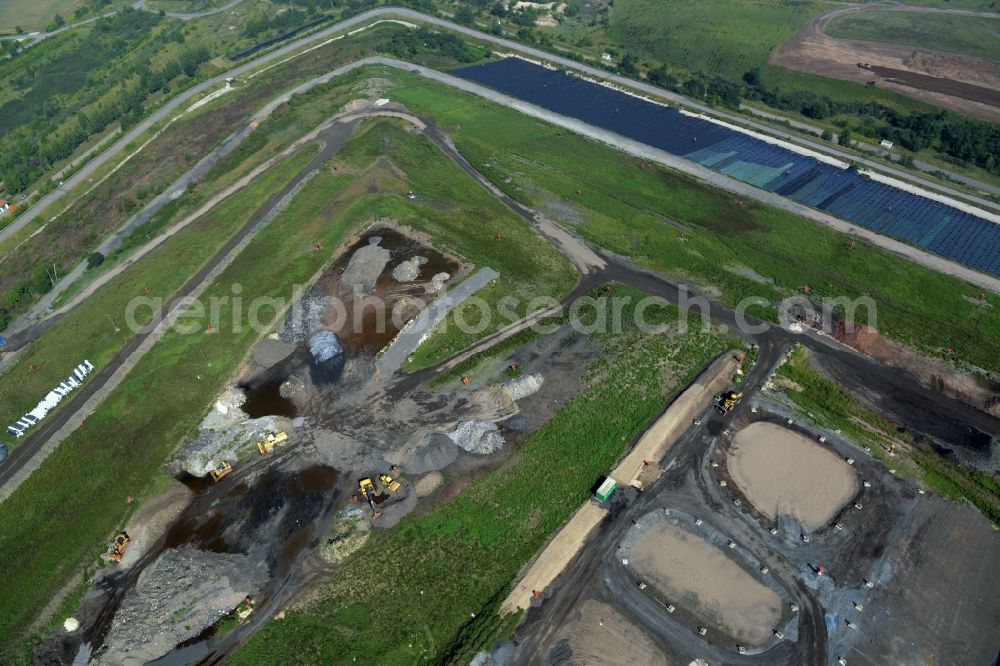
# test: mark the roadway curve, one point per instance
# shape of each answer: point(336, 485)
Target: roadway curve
point(34, 37)
point(375, 14)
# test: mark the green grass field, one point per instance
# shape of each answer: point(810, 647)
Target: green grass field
point(163, 398)
point(494, 527)
point(88, 332)
point(629, 206)
point(970, 35)
point(726, 37)
point(32, 15)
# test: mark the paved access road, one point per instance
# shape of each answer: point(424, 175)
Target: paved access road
point(373, 14)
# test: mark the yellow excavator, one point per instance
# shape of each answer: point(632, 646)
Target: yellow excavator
point(390, 484)
point(118, 547)
point(367, 489)
point(273, 439)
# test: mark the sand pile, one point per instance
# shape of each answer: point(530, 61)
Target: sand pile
point(862, 337)
point(702, 578)
point(784, 474)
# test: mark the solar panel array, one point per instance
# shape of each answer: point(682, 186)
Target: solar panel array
point(928, 224)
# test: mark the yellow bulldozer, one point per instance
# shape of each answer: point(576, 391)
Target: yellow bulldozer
point(118, 547)
point(390, 484)
point(273, 439)
point(727, 401)
point(221, 471)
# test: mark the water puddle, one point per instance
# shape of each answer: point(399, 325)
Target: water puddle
point(265, 399)
point(367, 327)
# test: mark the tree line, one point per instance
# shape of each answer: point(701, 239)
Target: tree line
point(29, 152)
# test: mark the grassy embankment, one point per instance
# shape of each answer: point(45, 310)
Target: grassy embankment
point(97, 329)
point(725, 37)
point(83, 218)
point(639, 209)
point(81, 487)
point(832, 406)
point(974, 36)
point(496, 525)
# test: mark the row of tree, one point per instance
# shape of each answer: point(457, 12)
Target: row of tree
point(24, 161)
point(966, 139)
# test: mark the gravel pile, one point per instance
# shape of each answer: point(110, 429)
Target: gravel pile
point(324, 345)
point(304, 317)
point(409, 270)
point(183, 592)
point(436, 452)
point(217, 442)
point(365, 267)
point(523, 386)
point(478, 437)
point(436, 284)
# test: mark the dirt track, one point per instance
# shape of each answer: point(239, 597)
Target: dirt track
point(950, 80)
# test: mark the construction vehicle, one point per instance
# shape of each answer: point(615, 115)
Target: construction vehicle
point(118, 547)
point(221, 471)
point(390, 484)
point(727, 401)
point(367, 489)
point(273, 439)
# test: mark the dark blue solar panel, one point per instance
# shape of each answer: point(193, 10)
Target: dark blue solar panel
point(937, 227)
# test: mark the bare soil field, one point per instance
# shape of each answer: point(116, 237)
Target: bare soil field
point(941, 603)
point(950, 80)
point(783, 473)
point(693, 573)
point(603, 636)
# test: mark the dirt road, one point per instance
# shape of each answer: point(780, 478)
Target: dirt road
point(951, 80)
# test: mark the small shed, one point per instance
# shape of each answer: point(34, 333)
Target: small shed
point(606, 57)
point(886, 144)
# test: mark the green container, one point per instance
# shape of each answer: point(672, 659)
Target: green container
point(607, 487)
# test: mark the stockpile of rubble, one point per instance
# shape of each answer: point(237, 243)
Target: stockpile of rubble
point(225, 434)
point(182, 593)
point(365, 267)
point(479, 437)
point(304, 317)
